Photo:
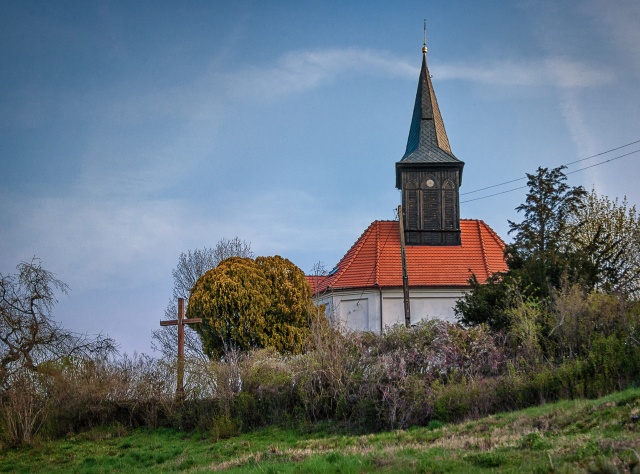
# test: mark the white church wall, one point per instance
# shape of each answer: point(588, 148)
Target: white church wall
point(357, 310)
point(354, 313)
point(424, 304)
point(360, 310)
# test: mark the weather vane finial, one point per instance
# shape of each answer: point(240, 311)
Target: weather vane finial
point(424, 43)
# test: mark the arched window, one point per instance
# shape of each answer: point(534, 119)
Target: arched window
point(430, 203)
point(449, 217)
point(411, 205)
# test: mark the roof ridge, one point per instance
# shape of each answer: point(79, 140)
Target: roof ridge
point(483, 248)
point(442, 140)
point(494, 235)
point(498, 240)
point(377, 263)
point(360, 240)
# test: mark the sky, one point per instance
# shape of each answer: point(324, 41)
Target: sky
point(133, 131)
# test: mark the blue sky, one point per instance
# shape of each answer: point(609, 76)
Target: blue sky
point(133, 131)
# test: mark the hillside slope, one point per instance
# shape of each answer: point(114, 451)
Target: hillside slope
point(600, 435)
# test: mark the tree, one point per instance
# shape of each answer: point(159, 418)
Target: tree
point(486, 303)
point(540, 252)
point(547, 208)
point(539, 258)
point(28, 334)
point(291, 306)
point(607, 233)
point(246, 303)
point(191, 266)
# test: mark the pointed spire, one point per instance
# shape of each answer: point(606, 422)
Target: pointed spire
point(424, 43)
point(428, 141)
point(428, 174)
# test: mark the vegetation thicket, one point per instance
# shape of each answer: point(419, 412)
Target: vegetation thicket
point(568, 237)
point(562, 322)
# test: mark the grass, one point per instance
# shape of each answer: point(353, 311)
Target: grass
point(569, 436)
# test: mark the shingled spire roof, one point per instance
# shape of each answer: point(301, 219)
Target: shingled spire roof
point(427, 142)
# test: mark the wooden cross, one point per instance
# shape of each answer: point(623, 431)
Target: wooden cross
point(180, 322)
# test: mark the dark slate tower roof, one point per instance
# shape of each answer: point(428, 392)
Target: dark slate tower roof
point(428, 174)
point(428, 142)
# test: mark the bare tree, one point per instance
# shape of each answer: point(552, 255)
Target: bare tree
point(28, 334)
point(191, 266)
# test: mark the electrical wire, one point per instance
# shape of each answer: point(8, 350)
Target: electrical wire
point(568, 164)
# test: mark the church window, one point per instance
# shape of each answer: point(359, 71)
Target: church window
point(412, 212)
point(430, 209)
point(449, 217)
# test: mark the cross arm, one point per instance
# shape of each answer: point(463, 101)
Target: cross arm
point(171, 322)
point(192, 320)
point(174, 322)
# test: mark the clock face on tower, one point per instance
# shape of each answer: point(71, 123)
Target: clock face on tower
point(430, 183)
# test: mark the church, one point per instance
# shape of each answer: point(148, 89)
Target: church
point(364, 291)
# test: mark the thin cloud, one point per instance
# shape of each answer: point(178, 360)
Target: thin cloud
point(565, 77)
point(91, 244)
point(211, 93)
point(119, 157)
point(300, 71)
point(575, 119)
point(555, 72)
point(619, 24)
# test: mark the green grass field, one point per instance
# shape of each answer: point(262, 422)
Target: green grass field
point(572, 436)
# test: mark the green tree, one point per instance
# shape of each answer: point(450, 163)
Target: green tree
point(486, 303)
point(191, 266)
point(540, 253)
point(246, 303)
point(539, 258)
point(291, 305)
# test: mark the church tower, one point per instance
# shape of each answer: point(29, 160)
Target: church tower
point(428, 174)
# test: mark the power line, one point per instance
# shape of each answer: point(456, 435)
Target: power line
point(566, 164)
point(494, 194)
point(604, 153)
point(603, 162)
point(571, 172)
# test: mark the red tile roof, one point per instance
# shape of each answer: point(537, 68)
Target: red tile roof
point(374, 260)
point(314, 281)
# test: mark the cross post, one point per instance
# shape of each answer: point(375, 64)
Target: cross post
point(180, 322)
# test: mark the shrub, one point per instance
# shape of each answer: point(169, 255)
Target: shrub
point(246, 303)
point(435, 372)
point(23, 409)
point(579, 318)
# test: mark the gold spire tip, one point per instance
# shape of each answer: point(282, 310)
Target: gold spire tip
point(424, 43)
